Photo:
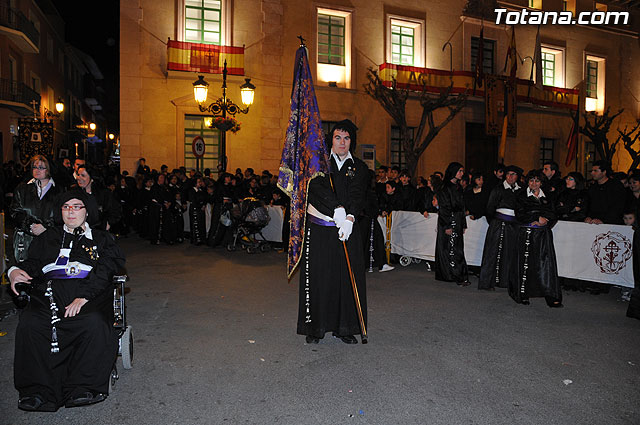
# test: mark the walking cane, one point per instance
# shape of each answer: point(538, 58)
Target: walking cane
point(356, 297)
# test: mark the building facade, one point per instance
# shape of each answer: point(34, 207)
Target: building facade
point(159, 117)
point(38, 68)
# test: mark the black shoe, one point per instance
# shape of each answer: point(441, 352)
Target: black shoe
point(36, 403)
point(556, 305)
point(85, 399)
point(525, 302)
point(312, 339)
point(347, 339)
point(463, 283)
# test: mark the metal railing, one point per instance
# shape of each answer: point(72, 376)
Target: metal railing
point(17, 92)
point(16, 20)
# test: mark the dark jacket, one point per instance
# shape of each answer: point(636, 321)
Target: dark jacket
point(530, 209)
point(606, 201)
point(566, 203)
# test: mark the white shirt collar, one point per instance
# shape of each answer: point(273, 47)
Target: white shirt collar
point(506, 185)
point(530, 193)
point(340, 163)
point(87, 230)
point(51, 182)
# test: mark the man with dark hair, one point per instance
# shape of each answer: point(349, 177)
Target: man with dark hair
point(381, 180)
point(143, 168)
point(606, 196)
point(553, 183)
point(394, 174)
point(326, 301)
point(496, 178)
point(406, 192)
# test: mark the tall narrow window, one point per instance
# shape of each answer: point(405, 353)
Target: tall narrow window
point(595, 83)
point(487, 58)
point(331, 35)
point(548, 68)
point(334, 47)
point(402, 45)
point(397, 152)
point(592, 79)
point(203, 21)
point(546, 150)
point(553, 66)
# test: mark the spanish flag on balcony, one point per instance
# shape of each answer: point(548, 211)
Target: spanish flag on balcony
point(205, 58)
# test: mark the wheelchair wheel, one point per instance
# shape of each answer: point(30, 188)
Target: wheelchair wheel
point(416, 261)
point(126, 344)
point(265, 247)
point(113, 378)
point(405, 261)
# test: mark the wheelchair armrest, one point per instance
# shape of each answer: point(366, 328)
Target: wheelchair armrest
point(120, 277)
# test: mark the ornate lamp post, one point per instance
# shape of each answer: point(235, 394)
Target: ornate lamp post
point(223, 107)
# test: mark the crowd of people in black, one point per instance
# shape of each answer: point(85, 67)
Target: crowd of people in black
point(155, 205)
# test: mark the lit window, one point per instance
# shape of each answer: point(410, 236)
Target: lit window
point(334, 47)
point(553, 66)
point(405, 41)
point(194, 126)
point(595, 83)
point(203, 21)
point(402, 45)
point(331, 32)
point(487, 57)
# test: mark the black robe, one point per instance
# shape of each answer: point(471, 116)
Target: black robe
point(372, 237)
point(198, 200)
point(450, 264)
point(326, 300)
point(88, 343)
point(566, 203)
point(537, 266)
point(499, 262)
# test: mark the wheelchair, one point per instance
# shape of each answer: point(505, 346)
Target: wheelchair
point(125, 335)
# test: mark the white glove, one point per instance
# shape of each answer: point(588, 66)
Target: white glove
point(344, 231)
point(339, 215)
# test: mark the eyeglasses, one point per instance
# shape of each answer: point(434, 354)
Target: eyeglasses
point(72, 207)
point(38, 168)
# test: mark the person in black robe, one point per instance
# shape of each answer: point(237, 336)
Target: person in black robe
point(450, 264)
point(225, 194)
point(372, 237)
point(537, 267)
point(499, 262)
point(326, 300)
point(66, 344)
point(156, 210)
point(197, 204)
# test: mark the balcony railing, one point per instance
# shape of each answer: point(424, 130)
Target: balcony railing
point(16, 20)
point(12, 91)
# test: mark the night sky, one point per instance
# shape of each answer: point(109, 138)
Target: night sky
point(94, 28)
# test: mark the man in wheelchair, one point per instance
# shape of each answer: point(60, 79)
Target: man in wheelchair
point(66, 345)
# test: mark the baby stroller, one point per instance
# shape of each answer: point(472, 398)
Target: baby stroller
point(248, 219)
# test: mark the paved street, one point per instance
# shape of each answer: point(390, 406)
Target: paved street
point(215, 343)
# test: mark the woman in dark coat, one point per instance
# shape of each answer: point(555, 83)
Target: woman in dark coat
point(32, 206)
point(476, 197)
point(571, 202)
point(537, 267)
point(110, 211)
point(157, 209)
point(450, 263)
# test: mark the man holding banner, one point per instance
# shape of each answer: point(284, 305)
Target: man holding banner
point(326, 298)
point(327, 193)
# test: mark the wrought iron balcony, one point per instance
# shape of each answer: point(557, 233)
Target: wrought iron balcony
point(17, 96)
point(15, 25)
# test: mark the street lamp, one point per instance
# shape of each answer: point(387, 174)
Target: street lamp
point(59, 106)
point(222, 107)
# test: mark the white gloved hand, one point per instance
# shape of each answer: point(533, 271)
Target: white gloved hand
point(344, 231)
point(339, 215)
